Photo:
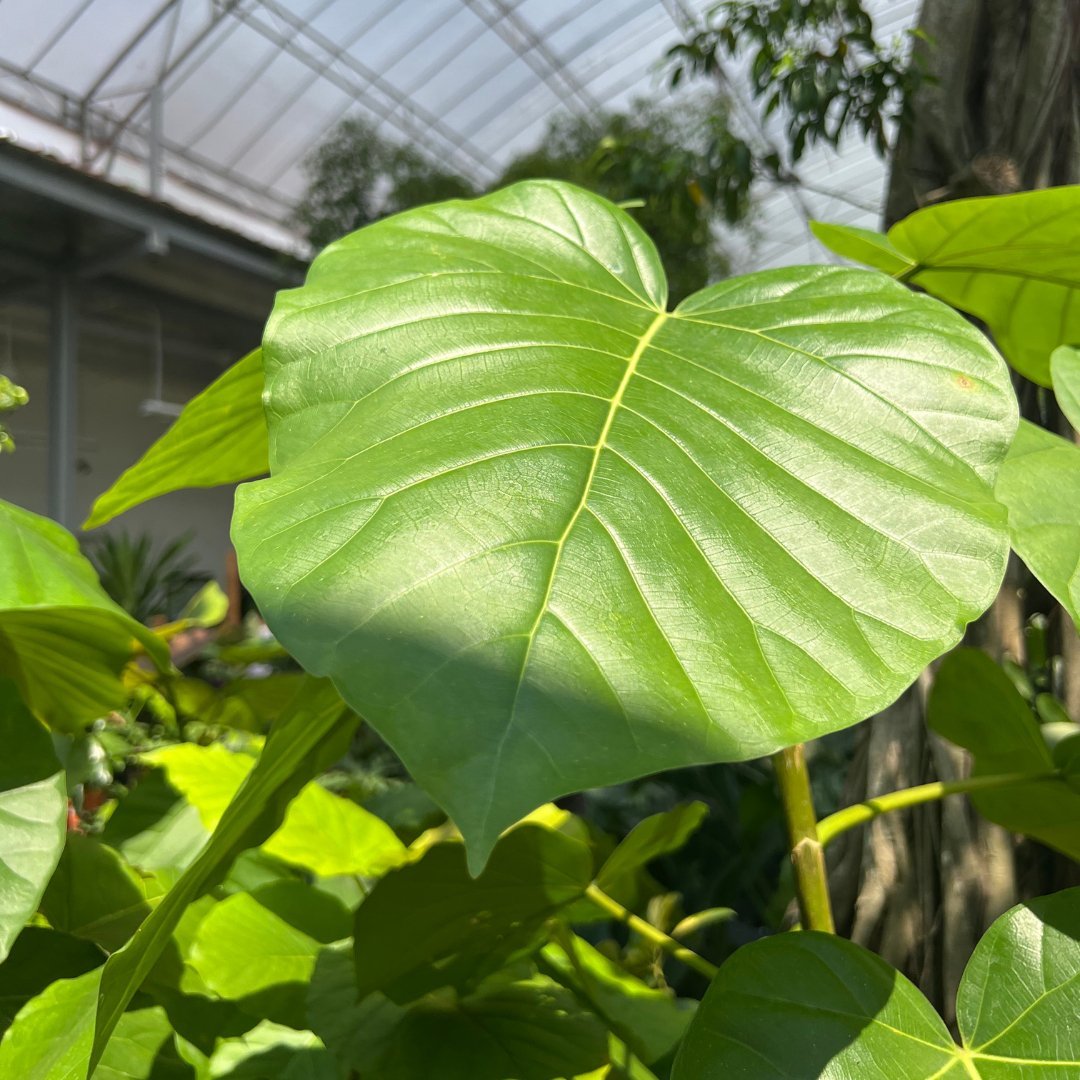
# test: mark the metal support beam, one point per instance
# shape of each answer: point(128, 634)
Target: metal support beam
point(95, 197)
point(157, 135)
point(63, 392)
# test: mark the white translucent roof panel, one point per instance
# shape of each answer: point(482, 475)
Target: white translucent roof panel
point(230, 96)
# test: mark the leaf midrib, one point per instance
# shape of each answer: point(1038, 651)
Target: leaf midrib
point(616, 401)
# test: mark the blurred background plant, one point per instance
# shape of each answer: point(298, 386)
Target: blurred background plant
point(11, 397)
point(147, 584)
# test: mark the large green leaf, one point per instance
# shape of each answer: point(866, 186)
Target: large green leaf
point(33, 814)
point(62, 640)
point(656, 835)
point(322, 832)
point(219, 438)
point(430, 924)
point(975, 705)
point(312, 733)
point(1039, 484)
point(545, 534)
point(812, 1005)
point(1009, 260)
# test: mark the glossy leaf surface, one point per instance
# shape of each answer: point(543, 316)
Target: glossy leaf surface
point(814, 1005)
point(1039, 484)
point(62, 640)
point(1009, 260)
point(546, 535)
point(974, 704)
point(33, 814)
point(219, 438)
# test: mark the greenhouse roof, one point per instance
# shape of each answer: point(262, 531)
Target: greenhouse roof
point(212, 105)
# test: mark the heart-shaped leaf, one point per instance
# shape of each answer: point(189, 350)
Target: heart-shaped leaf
point(62, 640)
point(1039, 484)
point(219, 438)
point(545, 534)
point(975, 705)
point(1009, 260)
point(812, 1005)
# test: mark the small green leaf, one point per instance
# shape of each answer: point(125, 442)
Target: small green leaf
point(430, 924)
point(862, 246)
point(55, 1036)
point(1065, 373)
point(657, 835)
point(975, 705)
point(154, 827)
point(1009, 260)
point(356, 1032)
point(142, 1049)
point(259, 949)
point(1039, 484)
point(33, 814)
point(651, 1022)
point(41, 956)
point(530, 1030)
point(219, 438)
point(52, 1034)
point(95, 895)
point(310, 734)
point(808, 1004)
point(62, 640)
point(546, 534)
point(271, 1050)
point(325, 833)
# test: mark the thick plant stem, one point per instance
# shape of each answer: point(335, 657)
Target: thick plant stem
point(851, 816)
point(690, 958)
point(807, 854)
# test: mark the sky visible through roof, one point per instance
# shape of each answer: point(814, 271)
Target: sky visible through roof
point(236, 93)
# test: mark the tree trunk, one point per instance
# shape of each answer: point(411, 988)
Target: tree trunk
point(1002, 115)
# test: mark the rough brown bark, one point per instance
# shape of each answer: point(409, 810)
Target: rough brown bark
point(1003, 115)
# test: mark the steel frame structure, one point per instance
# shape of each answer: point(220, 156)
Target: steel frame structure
point(138, 130)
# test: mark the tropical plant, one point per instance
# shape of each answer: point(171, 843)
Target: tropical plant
point(146, 583)
point(546, 533)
